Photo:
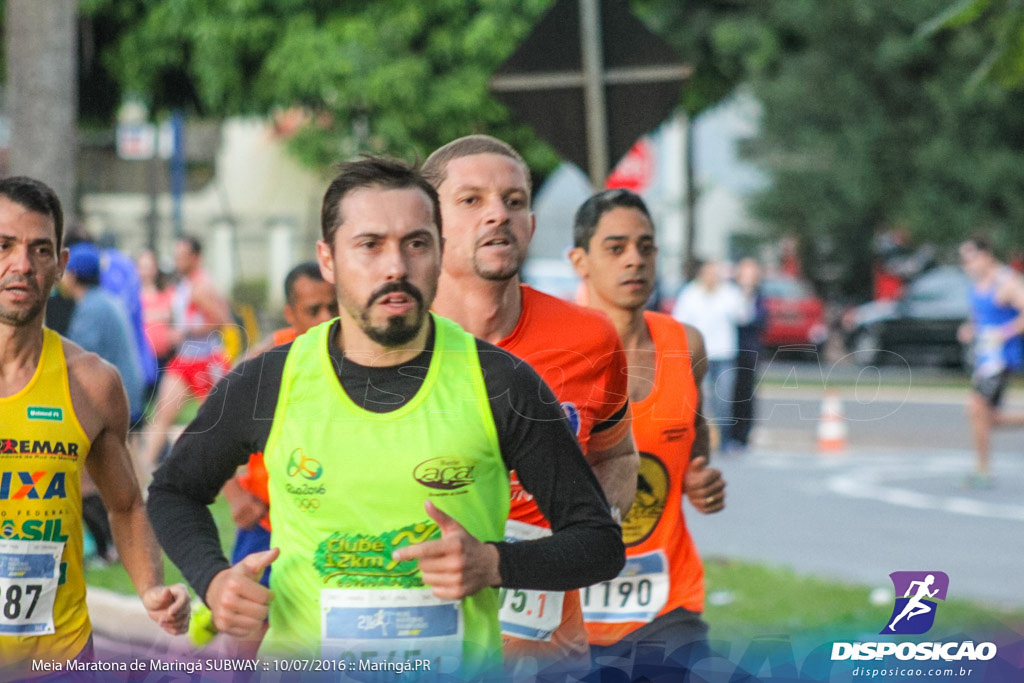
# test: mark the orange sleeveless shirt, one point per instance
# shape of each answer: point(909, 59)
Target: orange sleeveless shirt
point(663, 570)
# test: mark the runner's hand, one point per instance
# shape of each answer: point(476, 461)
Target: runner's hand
point(236, 598)
point(247, 510)
point(169, 607)
point(704, 486)
point(456, 566)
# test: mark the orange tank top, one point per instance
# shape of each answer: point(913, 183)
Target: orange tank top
point(663, 570)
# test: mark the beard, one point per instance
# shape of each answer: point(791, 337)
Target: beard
point(19, 317)
point(397, 330)
point(505, 269)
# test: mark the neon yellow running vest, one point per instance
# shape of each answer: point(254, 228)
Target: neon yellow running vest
point(42, 451)
point(347, 487)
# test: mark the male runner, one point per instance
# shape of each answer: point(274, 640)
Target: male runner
point(994, 330)
point(63, 410)
point(659, 596)
point(388, 436)
point(200, 311)
point(484, 188)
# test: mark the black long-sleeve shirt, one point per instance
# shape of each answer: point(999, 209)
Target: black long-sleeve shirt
point(535, 439)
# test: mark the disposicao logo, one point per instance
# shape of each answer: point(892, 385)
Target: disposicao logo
point(914, 612)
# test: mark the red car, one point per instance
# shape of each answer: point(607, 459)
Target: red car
point(795, 314)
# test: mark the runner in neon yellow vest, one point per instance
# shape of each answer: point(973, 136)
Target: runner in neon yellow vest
point(388, 436)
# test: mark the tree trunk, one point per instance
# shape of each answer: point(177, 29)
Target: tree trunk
point(42, 93)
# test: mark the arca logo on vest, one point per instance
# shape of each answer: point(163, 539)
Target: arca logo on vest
point(444, 473)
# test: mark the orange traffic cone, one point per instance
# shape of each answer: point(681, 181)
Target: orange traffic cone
point(831, 426)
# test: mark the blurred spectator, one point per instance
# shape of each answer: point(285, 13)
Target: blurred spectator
point(157, 314)
point(715, 307)
point(119, 277)
point(99, 324)
point(748, 279)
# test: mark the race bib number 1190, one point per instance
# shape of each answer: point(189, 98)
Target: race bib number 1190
point(637, 594)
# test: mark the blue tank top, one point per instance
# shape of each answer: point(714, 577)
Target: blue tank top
point(988, 314)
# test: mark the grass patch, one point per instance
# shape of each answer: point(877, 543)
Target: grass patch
point(745, 601)
point(115, 578)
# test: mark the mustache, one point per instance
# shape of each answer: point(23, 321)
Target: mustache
point(23, 281)
point(503, 232)
point(395, 287)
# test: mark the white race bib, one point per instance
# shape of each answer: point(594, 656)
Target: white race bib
point(638, 593)
point(529, 614)
point(391, 625)
point(29, 572)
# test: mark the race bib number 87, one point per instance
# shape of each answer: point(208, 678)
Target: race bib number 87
point(29, 573)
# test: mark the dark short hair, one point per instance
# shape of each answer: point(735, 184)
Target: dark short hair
point(981, 243)
point(306, 269)
point(435, 168)
point(194, 245)
point(371, 171)
point(590, 212)
point(38, 197)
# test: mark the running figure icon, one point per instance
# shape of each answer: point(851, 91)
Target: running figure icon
point(915, 605)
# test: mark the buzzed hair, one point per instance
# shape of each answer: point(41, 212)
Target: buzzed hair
point(37, 197)
point(590, 212)
point(306, 269)
point(435, 168)
point(371, 171)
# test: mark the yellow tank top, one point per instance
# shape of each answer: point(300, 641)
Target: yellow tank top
point(42, 451)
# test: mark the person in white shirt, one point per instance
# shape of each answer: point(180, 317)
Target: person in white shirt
point(715, 306)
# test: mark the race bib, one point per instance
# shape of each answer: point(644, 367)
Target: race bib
point(989, 355)
point(391, 625)
point(529, 614)
point(638, 593)
point(29, 573)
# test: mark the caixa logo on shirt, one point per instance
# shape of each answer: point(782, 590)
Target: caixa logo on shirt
point(445, 473)
point(32, 486)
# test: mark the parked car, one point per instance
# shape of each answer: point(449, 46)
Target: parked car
point(795, 314)
point(921, 328)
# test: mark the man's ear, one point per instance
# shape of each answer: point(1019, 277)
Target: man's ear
point(325, 259)
point(578, 258)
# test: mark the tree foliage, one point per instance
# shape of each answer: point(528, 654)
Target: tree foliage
point(1002, 25)
point(402, 76)
point(867, 125)
point(705, 34)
